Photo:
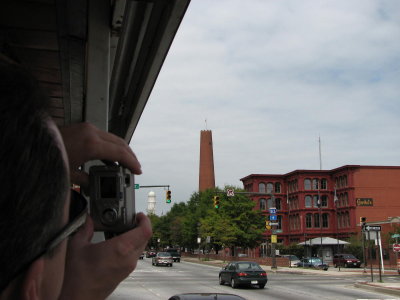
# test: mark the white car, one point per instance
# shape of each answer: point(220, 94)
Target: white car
point(293, 259)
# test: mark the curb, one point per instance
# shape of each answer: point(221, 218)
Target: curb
point(381, 289)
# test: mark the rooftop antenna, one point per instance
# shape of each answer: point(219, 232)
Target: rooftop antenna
point(206, 123)
point(320, 157)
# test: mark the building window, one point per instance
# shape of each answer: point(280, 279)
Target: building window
point(325, 220)
point(308, 220)
point(307, 201)
point(269, 203)
point(263, 204)
point(324, 201)
point(277, 187)
point(261, 187)
point(316, 220)
point(338, 221)
point(315, 184)
point(345, 199)
point(278, 203)
point(279, 219)
point(270, 187)
point(315, 201)
point(324, 184)
point(307, 184)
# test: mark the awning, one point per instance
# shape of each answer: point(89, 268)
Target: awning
point(325, 241)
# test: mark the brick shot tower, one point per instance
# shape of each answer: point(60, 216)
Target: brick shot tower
point(206, 174)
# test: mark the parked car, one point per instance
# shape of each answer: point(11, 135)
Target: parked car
point(162, 258)
point(293, 259)
point(312, 262)
point(346, 260)
point(243, 273)
point(176, 256)
point(150, 253)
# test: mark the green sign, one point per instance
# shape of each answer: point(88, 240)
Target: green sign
point(137, 186)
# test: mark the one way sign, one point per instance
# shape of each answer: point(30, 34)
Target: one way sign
point(372, 228)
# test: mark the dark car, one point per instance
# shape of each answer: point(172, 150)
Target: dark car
point(150, 253)
point(312, 262)
point(206, 296)
point(346, 260)
point(243, 273)
point(162, 258)
point(176, 256)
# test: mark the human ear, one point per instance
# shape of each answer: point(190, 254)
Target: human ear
point(32, 283)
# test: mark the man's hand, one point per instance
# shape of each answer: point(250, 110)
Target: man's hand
point(85, 142)
point(93, 271)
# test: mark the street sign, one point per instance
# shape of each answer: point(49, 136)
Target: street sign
point(372, 228)
point(273, 238)
point(276, 231)
point(396, 247)
point(230, 193)
point(137, 186)
point(395, 236)
point(273, 217)
point(272, 210)
point(274, 224)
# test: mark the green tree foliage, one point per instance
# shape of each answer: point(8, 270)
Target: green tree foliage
point(234, 223)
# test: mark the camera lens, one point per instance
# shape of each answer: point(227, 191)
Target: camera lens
point(109, 216)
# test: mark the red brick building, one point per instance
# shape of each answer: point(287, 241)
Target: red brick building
point(345, 194)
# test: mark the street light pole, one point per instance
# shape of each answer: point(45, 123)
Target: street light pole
point(273, 245)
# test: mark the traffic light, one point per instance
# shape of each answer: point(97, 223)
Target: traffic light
point(168, 196)
point(216, 201)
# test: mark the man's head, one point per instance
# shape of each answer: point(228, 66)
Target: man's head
point(34, 189)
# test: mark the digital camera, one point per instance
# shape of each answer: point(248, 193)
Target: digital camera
point(112, 198)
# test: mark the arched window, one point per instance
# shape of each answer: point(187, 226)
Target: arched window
point(325, 220)
point(263, 204)
point(324, 184)
point(278, 203)
point(338, 220)
point(315, 184)
point(307, 201)
point(269, 203)
point(316, 220)
point(277, 187)
point(308, 220)
point(270, 187)
point(324, 201)
point(345, 200)
point(261, 187)
point(315, 201)
point(344, 180)
point(307, 184)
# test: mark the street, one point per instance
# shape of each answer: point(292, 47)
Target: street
point(150, 282)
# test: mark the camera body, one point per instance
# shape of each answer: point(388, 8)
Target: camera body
point(112, 198)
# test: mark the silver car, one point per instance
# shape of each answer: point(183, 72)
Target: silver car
point(162, 258)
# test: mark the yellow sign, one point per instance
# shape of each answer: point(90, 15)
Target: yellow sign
point(365, 202)
point(273, 238)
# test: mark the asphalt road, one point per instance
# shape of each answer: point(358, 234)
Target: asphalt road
point(150, 282)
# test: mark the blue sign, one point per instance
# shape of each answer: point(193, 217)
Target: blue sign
point(273, 217)
point(272, 211)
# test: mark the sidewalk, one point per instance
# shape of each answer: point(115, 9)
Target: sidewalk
point(392, 288)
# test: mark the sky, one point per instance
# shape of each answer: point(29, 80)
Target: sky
point(270, 78)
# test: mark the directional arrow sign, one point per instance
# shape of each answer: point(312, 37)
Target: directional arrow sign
point(396, 247)
point(372, 228)
point(273, 217)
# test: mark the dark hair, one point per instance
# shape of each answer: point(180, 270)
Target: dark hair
point(33, 176)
